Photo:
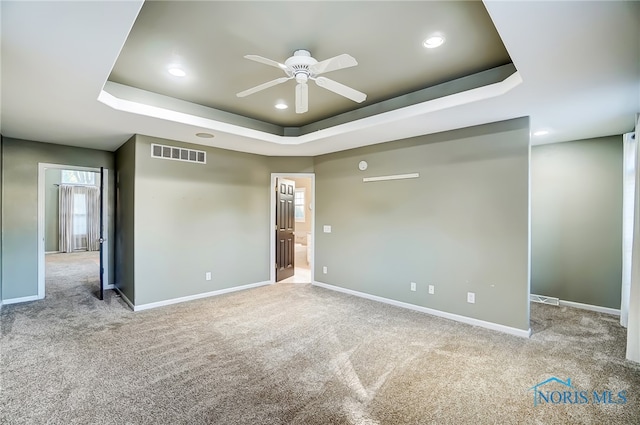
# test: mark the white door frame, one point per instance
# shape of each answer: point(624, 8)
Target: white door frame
point(42, 167)
point(272, 223)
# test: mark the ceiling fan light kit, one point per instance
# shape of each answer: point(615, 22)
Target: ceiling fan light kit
point(303, 67)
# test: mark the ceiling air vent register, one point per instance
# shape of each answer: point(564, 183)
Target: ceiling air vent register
point(178, 154)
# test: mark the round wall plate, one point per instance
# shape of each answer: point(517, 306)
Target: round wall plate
point(362, 165)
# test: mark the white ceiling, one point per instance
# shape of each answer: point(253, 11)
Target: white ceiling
point(578, 76)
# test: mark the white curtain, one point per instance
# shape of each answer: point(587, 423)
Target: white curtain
point(93, 218)
point(65, 203)
point(79, 218)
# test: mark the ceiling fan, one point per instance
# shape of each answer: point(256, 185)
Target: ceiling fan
point(303, 68)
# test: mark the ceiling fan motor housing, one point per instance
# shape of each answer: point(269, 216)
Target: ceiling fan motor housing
point(298, 65)
point(303, 67)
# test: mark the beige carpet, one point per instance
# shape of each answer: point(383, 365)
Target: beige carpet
point(296, 354)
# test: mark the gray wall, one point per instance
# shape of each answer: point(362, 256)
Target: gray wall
point(53, 177)
point(125, 159)
point(462, 226)
point(20, 209)
point(576, 221)
point(177, 220)
point(196, 218)
point(290, 164)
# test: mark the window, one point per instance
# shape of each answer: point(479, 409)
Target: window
point(78, 177)
point(299, 205)
point(80, 214)
point(80, 220)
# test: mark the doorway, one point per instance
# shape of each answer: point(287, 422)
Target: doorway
point(292, 256)
point(71, 209)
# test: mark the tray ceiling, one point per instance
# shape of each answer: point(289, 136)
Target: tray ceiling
point(208, 40)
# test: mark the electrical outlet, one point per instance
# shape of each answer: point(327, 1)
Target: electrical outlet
point(413, 286)
point(431, 289)
point(471, 297)
point(324, 269)
point(207, 276)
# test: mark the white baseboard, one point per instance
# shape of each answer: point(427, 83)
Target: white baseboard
point(196, 296)
point(109, 286)
point(451, 316)
point(20, 300)
point(606, 310)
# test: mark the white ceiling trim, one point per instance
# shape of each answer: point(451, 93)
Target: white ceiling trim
point(200, 123)
point(575, 81)
point(386, 118)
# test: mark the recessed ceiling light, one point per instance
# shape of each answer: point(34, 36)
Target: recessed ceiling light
point(541, 133)
point(433, 41)
point(177, 72)
point(281, 105)
point(205, 135)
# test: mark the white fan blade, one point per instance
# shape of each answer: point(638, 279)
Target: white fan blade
point(333, 64)
point(302, 98)
point(341, 89)
point(263, 86)
point(266, 61)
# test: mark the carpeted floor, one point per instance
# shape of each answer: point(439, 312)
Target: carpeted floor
point(296, 354)
point(77, 273)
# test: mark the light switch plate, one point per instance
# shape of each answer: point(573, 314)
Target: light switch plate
point(326, 228)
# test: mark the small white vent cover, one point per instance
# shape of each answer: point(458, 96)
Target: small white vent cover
point(544, 300)
point(178, 154)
